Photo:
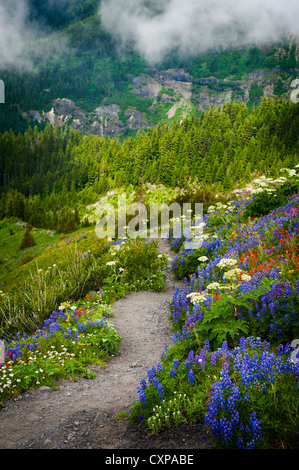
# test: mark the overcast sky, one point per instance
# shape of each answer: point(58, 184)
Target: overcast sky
point(193, 26)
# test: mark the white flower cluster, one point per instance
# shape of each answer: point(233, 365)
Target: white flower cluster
point(262, 184)
point(219, 206)
point(198, 227)
point(205, 236)
point(232, 274)
point(227, 263)
point(111, 263)
point(213, 285)
point(245, 277)
point(217, 286)
point(269, 184)
point(290, 172)
point(197, 297)
point(262, 181)
point(261, 190)
point(280, 180)
point(203, 259)
point(114, 249)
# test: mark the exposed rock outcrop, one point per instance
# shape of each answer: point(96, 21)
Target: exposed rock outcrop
point(174, 87)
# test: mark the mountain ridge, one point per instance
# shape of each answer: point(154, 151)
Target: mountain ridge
point(84, 72)
point(172, 89)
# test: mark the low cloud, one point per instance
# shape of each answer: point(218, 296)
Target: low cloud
point(21, 33)
point(15, 32)
point(155, 27)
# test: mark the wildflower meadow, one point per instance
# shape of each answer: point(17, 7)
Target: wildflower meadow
point(40, 348)
point(233, 362)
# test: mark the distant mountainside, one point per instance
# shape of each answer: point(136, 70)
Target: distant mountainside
point(81, 80)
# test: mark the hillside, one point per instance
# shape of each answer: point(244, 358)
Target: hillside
point(192, 340)
point(228, 370)
point(54, 178)
point(79, 78)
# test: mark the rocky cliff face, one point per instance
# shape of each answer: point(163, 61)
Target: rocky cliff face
point(174, 87)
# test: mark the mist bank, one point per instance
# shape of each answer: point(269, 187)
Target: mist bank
point(156, 27)
point(24, 25)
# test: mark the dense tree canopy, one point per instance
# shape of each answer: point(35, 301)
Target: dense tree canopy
point(53, 171)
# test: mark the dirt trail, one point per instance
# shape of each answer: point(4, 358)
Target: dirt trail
point(81, 415)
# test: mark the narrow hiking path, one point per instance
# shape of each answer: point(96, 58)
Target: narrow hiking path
point(82, 414)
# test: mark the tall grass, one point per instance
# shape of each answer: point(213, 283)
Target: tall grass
point(118, 269)
point(44, 290)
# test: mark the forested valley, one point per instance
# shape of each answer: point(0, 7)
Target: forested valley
point(50, 176)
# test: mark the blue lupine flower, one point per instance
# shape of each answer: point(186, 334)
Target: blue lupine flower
point(161, 392)
point(190, 374)
point(150, 374)
point(143, 384)
point(142, 397)
point(176, 363)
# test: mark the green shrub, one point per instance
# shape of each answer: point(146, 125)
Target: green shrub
point(265, 202)
point(140, 265)
point(28, 240)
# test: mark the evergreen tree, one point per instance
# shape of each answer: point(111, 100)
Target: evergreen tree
point(220, 174)
point(28, 240)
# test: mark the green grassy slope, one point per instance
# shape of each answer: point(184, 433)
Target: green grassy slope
point(16, 263)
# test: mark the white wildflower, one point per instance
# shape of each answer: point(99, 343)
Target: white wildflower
point(197, 297)
point(227, 262)
point(213, 285)
point(245, 277)
point(203, 259)
point(258, 190)
point(232, 274)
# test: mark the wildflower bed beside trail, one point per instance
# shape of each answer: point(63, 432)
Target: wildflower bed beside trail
point(234, 363)
point(78, 333)
point(68, 342)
